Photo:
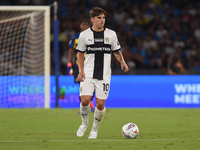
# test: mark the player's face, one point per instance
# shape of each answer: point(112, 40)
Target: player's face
point(84, 26)
point(98, 21)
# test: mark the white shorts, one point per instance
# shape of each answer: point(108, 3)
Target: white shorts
point(101, 88)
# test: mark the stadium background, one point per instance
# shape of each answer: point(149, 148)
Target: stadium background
point(150, 32)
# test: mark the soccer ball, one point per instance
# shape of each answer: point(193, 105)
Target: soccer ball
point(130, 131)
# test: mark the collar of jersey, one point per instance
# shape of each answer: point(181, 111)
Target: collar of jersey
point(97, 31)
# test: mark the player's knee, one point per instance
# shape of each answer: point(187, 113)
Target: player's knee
point(100, 106)
point(85, 101)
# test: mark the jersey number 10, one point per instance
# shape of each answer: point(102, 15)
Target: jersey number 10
point(105, 87)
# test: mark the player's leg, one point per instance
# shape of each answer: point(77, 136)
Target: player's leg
point(98, 116)
point(85, 109)
point(102, 91)
point(92, 107)
point(86, 91)
point(91, 103)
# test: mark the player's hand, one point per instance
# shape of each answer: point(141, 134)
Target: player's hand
point(81, 76)
point(124, 66)
point(69, 69)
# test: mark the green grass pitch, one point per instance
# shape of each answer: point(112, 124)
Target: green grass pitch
point(55, 129)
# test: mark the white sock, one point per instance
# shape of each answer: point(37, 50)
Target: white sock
point(85, 110)
point(98, 116)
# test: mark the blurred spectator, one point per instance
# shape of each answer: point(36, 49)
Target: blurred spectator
point(169, 48)
point(178, 42)
point(140, 56)
point(161, 32)
point(197, 33)
point(127, 57)
point(149, 43)
point(119, 15)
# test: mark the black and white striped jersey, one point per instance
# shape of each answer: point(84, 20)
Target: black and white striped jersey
point(98, 47)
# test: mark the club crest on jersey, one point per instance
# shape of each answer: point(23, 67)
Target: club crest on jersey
point(107, 39)
point(80, 89)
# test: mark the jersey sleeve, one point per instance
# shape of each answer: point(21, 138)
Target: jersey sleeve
point(71, 42)
point(115, 43)
point(81, 44)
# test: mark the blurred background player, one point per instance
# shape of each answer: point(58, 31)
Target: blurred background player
point(176, 67)
point(72, 66)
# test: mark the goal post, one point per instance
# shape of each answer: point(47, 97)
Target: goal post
point(26, 45)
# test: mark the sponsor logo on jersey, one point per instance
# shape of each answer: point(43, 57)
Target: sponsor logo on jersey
point(98, 40)
point(98, 49)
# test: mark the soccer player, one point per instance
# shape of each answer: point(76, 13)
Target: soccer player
point(98, 43)
point(176, 67)
point(73, 69)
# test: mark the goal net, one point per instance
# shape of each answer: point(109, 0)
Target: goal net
point(24, 56)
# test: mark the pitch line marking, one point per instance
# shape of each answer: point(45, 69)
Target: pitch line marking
point(112, 140)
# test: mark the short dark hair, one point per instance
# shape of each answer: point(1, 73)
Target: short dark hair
point(96, 11)
point(85, 20)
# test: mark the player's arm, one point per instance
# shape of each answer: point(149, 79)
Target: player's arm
point(182, 70)
point(70, 56)
point(80, 58)
point(116, 47)
point(69, 64)
point(120, 58)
